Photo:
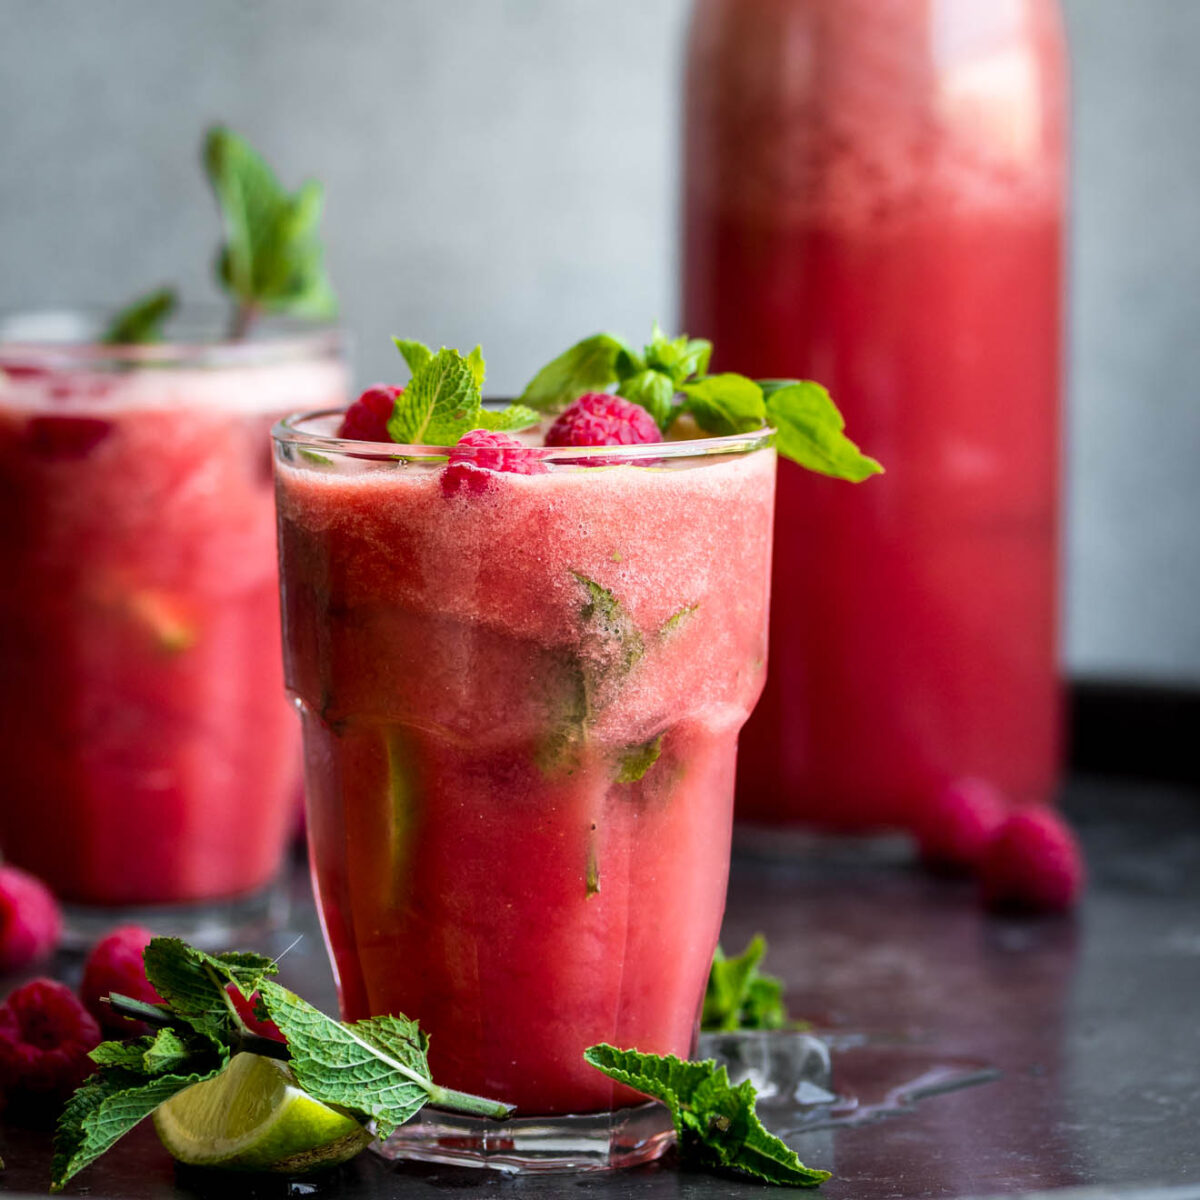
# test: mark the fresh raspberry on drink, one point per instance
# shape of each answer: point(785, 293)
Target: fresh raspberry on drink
point(479, 455)
point(30, 920)
point(45, 1036)
point(366, 419)
point(1033, 863)
point(954, 827)
point(602, 419)
point(115, 964)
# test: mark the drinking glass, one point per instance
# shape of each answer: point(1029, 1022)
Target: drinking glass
point(151, 760)
point(521, 697)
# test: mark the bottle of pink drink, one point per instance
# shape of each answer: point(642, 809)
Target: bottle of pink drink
point(151, 758)
point(521, 709)
point(874, 198)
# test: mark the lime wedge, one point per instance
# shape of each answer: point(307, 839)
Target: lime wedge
point(253, 1117)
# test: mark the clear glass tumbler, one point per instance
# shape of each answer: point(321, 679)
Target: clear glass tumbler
point(521, 700)
point(151, 760)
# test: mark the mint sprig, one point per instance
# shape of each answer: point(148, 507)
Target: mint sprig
point(669, 378)
point(375, 1069)
point(142, 321)
point(590, 365)
point(739, 995)
point(715, 1123)
point(272, 259)
point(444, 398)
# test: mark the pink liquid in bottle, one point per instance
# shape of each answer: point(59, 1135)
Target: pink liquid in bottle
point(875, 199)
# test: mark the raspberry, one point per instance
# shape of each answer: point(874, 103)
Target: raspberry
point(115, 965)
point(30, 920)
point(479, 455)
point(957, 823)
point(45, 1036)
point(263, 1026)
point(1033, 862)
point(366, 419)
point(601, 419)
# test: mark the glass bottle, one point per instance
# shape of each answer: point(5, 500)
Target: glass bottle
point(874, 198)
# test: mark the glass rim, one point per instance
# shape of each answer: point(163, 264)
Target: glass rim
point(285, 432)
point(202, 339)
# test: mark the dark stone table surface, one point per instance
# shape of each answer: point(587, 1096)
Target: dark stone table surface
point(1089, 1027)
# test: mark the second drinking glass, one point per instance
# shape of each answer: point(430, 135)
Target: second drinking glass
point(151, 762)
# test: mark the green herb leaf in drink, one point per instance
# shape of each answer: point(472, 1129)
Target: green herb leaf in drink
point(272, 259)
point(739, 995)
point(636, 761)
point(716, 1124)
point(670, 379)
point(589, 365)
point(444, 398)
point(810, 432)
point(142, 321)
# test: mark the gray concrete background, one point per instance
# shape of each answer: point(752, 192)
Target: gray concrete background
point(505, 171)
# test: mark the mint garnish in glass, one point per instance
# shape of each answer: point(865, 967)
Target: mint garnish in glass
point(271, 260)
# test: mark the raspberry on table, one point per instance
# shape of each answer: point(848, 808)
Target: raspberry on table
point(366, 419)
point(263, 1026)
point(45, 1036)
point(955, 825)
point(1033, 862)
point(115, 965)
point(30, 919)
point(602, 419)
point(479, 455)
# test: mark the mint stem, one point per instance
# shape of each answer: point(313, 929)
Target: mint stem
point(243, 317)
point(152, 1014)
point(464, 1102)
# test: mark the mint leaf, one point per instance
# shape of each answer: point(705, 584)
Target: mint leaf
point(678, 358)
point(271, 258)
point(810, 432)
point(715, 1123)
point(193, 983)
point(478, 367)
point(675, 621)
point(725, 404)
point(588, 366)
point(374, 1068)
point(416, 354)
point(638, 760)
point(739, 996)
point(654, 391)
point(142, 321)
point(168, 1052)
point(129, 1056)
point(507, 420)
point(611, 644)
point(440, 403)
point(106, 1108)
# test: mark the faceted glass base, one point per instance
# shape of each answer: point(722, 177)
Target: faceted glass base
point(235, 923)
point(590, 1142)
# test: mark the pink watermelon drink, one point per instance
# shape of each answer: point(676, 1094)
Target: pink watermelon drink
point(522, 670)
point(150, 757)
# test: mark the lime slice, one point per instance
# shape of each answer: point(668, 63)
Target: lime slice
point(253, 1117)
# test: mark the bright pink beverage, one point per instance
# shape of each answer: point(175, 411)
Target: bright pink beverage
point(875, 196)
point(150, 756)
point(521, 712)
